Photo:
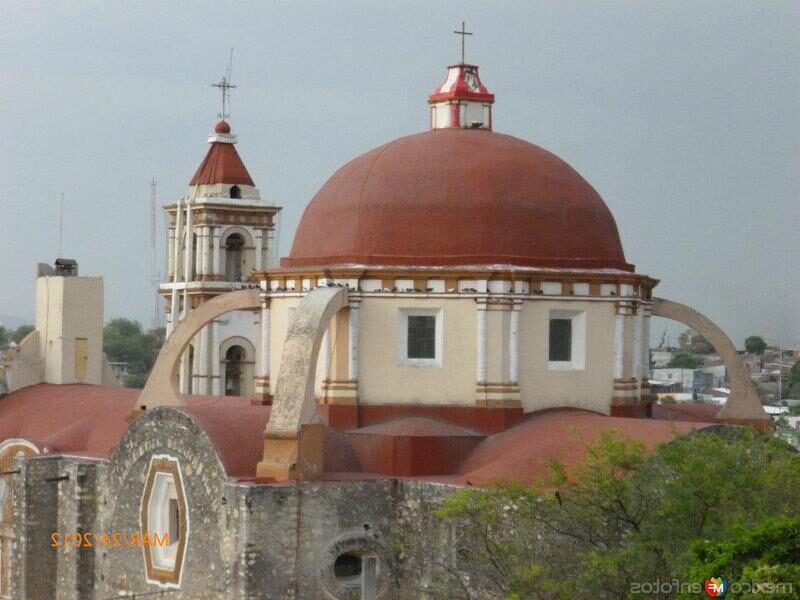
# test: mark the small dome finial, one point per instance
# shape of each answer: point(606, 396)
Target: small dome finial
point(222, 127)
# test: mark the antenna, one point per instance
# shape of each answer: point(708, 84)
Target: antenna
point(60, 224)
point(225, 86)
point(155, 277)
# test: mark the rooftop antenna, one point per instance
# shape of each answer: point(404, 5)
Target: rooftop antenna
point(155, 277)
point(463, 33)
point(60, 224)
point(225, 86)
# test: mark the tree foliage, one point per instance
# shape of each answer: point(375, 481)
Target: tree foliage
point(13, 335)
point(794, 381)
point(755, 344)
point(125, 341)
point(684, 360)
point(625, 516)
point(768, 553)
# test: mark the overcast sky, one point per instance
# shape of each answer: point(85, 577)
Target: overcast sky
point(684, 115)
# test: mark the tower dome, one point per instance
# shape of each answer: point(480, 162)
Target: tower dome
point(459, 194)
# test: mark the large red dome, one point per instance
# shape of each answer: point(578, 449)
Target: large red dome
point(458, 197)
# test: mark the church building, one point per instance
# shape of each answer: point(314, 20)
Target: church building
point(456, 309)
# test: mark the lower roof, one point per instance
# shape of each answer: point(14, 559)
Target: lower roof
point(87, 420)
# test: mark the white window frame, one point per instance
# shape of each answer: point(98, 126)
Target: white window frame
point(402, 337)
point(578, 345)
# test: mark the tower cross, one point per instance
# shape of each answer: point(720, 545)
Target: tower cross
point(463, 33)
point(225, 86)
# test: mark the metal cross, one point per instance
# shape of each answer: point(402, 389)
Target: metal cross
point(463, 33)
point(225, 86)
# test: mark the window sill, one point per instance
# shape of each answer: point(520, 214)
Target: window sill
point(419, 362)
point(564, 366)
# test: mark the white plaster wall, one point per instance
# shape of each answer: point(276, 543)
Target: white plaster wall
point(591, 388)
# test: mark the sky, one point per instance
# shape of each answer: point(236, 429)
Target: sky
point(684, 115)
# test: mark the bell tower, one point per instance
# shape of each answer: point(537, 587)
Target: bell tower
point(220, 232)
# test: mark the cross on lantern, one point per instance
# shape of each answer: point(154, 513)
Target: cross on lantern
point(463, 33)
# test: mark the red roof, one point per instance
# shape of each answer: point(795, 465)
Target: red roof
point(458, 197)
point(222, 164)
point(89, 420)
point(523, 453)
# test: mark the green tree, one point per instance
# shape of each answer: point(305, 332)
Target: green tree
point(4, 337)
point(684, 360)
point(767, 554)
point(755, 344)
point(794, 381)
point(125, 341)
point(624, 516)
point(700, 345)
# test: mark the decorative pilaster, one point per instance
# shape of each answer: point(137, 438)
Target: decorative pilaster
point(262, 372)
point(189, 252)
point(647, 312)
point(480, 367)
point(202, 362)
point(216, 267)
point(216, 366)
point(355, 304)
point(626, 389)
point(259, 249)
point(184, 376)
point(205, 263)
point(171, 254)
point(272, 251)
point(513, 343)
point(342, 387)
point(504, 393)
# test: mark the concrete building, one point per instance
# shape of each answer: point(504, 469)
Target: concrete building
point(456, 309)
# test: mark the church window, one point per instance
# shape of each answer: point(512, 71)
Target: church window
point(234, 246)
point(165, 519)
point(236, 192)
point(566, 344)
point(560, 339)
point(420, 337)
point(234, 367)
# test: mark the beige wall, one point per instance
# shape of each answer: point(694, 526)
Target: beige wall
point(591, 388)
point(382, 380)
point(68, 308)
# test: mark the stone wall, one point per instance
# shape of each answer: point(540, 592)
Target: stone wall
point(245, 541)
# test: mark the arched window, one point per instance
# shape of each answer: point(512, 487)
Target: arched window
point(233, 257)
point(236, 191)
point(234, 368)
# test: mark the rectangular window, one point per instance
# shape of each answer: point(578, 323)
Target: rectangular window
point(560, 340)
point(422, 337)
